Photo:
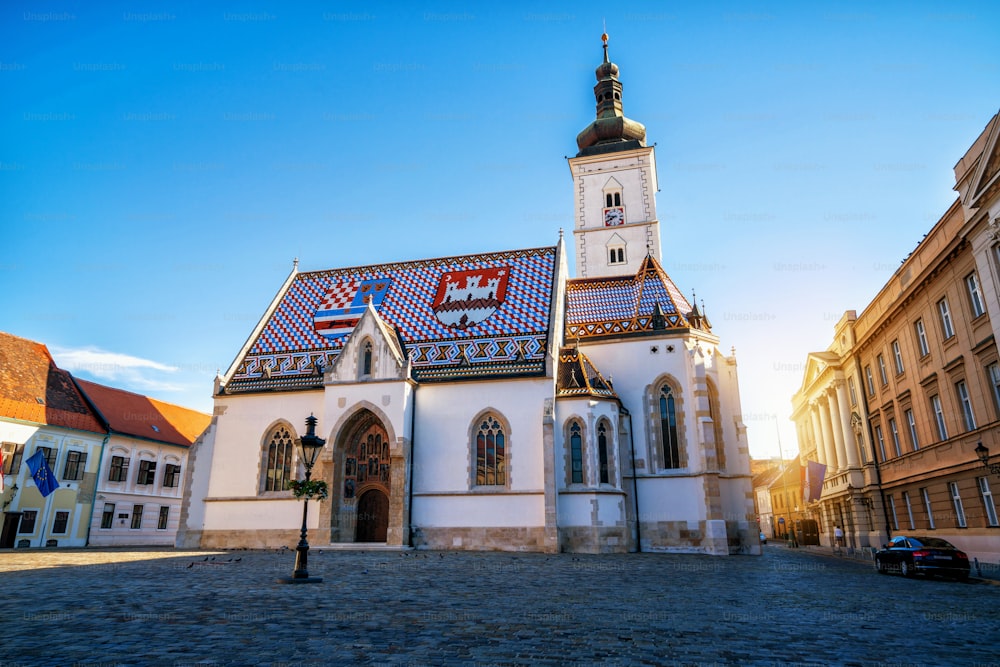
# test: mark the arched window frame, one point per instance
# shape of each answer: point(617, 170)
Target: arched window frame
point(606, 460)
point(655, 444)
point(286, 451)
point(490, 417)
point(715, 413)
point(366, 358)
point(576, 426)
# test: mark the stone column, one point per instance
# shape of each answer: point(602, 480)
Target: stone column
point(835, 426)
point(817, 434)
point(831, 452)
point(853, 460)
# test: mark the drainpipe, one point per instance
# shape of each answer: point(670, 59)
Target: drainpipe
point(409, 465)
point(635, 484)
point(871, 439)
point(93, 497)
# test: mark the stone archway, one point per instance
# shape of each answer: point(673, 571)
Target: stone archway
point(368, 483)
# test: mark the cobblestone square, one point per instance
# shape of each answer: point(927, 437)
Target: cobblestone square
point(788, 607)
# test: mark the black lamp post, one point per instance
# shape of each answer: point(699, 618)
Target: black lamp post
point(983, 453)
point(311, 446)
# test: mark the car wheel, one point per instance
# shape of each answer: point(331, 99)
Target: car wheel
point(905, 569)
point(880, 566)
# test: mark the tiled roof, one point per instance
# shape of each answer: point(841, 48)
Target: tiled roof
point(34, 389)
point(456, 317)
point(579, 377)
point(149, 418)
point(616, 306)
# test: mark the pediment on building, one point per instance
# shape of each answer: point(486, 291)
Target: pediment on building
point(372, 351)
point(817, 364)
point(986, 181)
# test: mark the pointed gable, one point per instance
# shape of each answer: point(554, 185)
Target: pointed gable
point(577, 376)
point(385, 342)
point(473, 316)
point(986, 181)
point(34, 389)
point(625, 305)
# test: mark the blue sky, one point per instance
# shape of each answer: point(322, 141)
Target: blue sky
point(161, 164)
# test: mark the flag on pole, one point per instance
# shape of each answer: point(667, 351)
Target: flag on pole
point(42, 474)
point(815, 472)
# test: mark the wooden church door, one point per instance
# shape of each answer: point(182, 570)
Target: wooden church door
point(373, 516)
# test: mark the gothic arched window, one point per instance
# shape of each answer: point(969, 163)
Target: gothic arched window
point(278, 455)
point(602, 453)
point(668, 428)
point(366, 364)
point(491, 453)
point(575, 454)
point(713, 412)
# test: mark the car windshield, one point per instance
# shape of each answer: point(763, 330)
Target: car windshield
point(933, 542)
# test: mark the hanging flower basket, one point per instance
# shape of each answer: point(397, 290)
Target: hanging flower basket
point(310, 489)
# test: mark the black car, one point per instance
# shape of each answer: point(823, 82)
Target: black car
point(910, 555)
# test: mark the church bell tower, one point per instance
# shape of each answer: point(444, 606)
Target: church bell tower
point(614, 186)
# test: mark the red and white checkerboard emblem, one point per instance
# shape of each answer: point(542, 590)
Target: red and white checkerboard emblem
point(465, 298)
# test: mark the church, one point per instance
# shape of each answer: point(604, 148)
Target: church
point(490, 401)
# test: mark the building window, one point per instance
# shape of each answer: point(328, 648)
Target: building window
point(147, 472)
point(850, 388)
point(895, 437)
point(602, 453)
point(616, 254)
point(491, 453)
point(575, 454)
point(892, 512)
point(913, 430)
point(668, 428)
point(613, 199)
point(137, 516)
point(60, 522)
point(947, 329)
point(171, 475)
point(939, 417)
point(50, 456)
point(870, 380)
point(880, 440)
point(881, 370)
point(366, 364)
point(279, 460)
point(108, 516)
point(76, 463)
point(897, 357)
point(119, 469)
point(909, 509)
point(993, 373)
point(12, 454)
point(927, 507)
point(161, 522)
point(975, 295)
point(987, 497)
point(713, 413)
point(963, 399)
point(922, 338)
point(956, 500)
point(27, 526)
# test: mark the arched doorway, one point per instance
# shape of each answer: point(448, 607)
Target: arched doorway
point(373, 516)
point(365, 486)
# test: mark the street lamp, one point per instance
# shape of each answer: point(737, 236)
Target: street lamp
point(311, 446)
point(983, 453)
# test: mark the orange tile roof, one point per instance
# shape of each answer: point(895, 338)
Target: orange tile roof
point(34, 389)
point(145, 417)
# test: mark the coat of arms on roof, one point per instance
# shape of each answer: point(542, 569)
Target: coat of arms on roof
point(344, 303)
point(465, 298)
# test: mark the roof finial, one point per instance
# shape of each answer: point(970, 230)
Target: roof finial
point(295, 264)
point(604, 38)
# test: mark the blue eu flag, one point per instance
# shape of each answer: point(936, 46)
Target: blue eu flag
point(40, 471)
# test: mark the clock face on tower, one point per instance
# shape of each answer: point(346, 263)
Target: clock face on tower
point(614, 216)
